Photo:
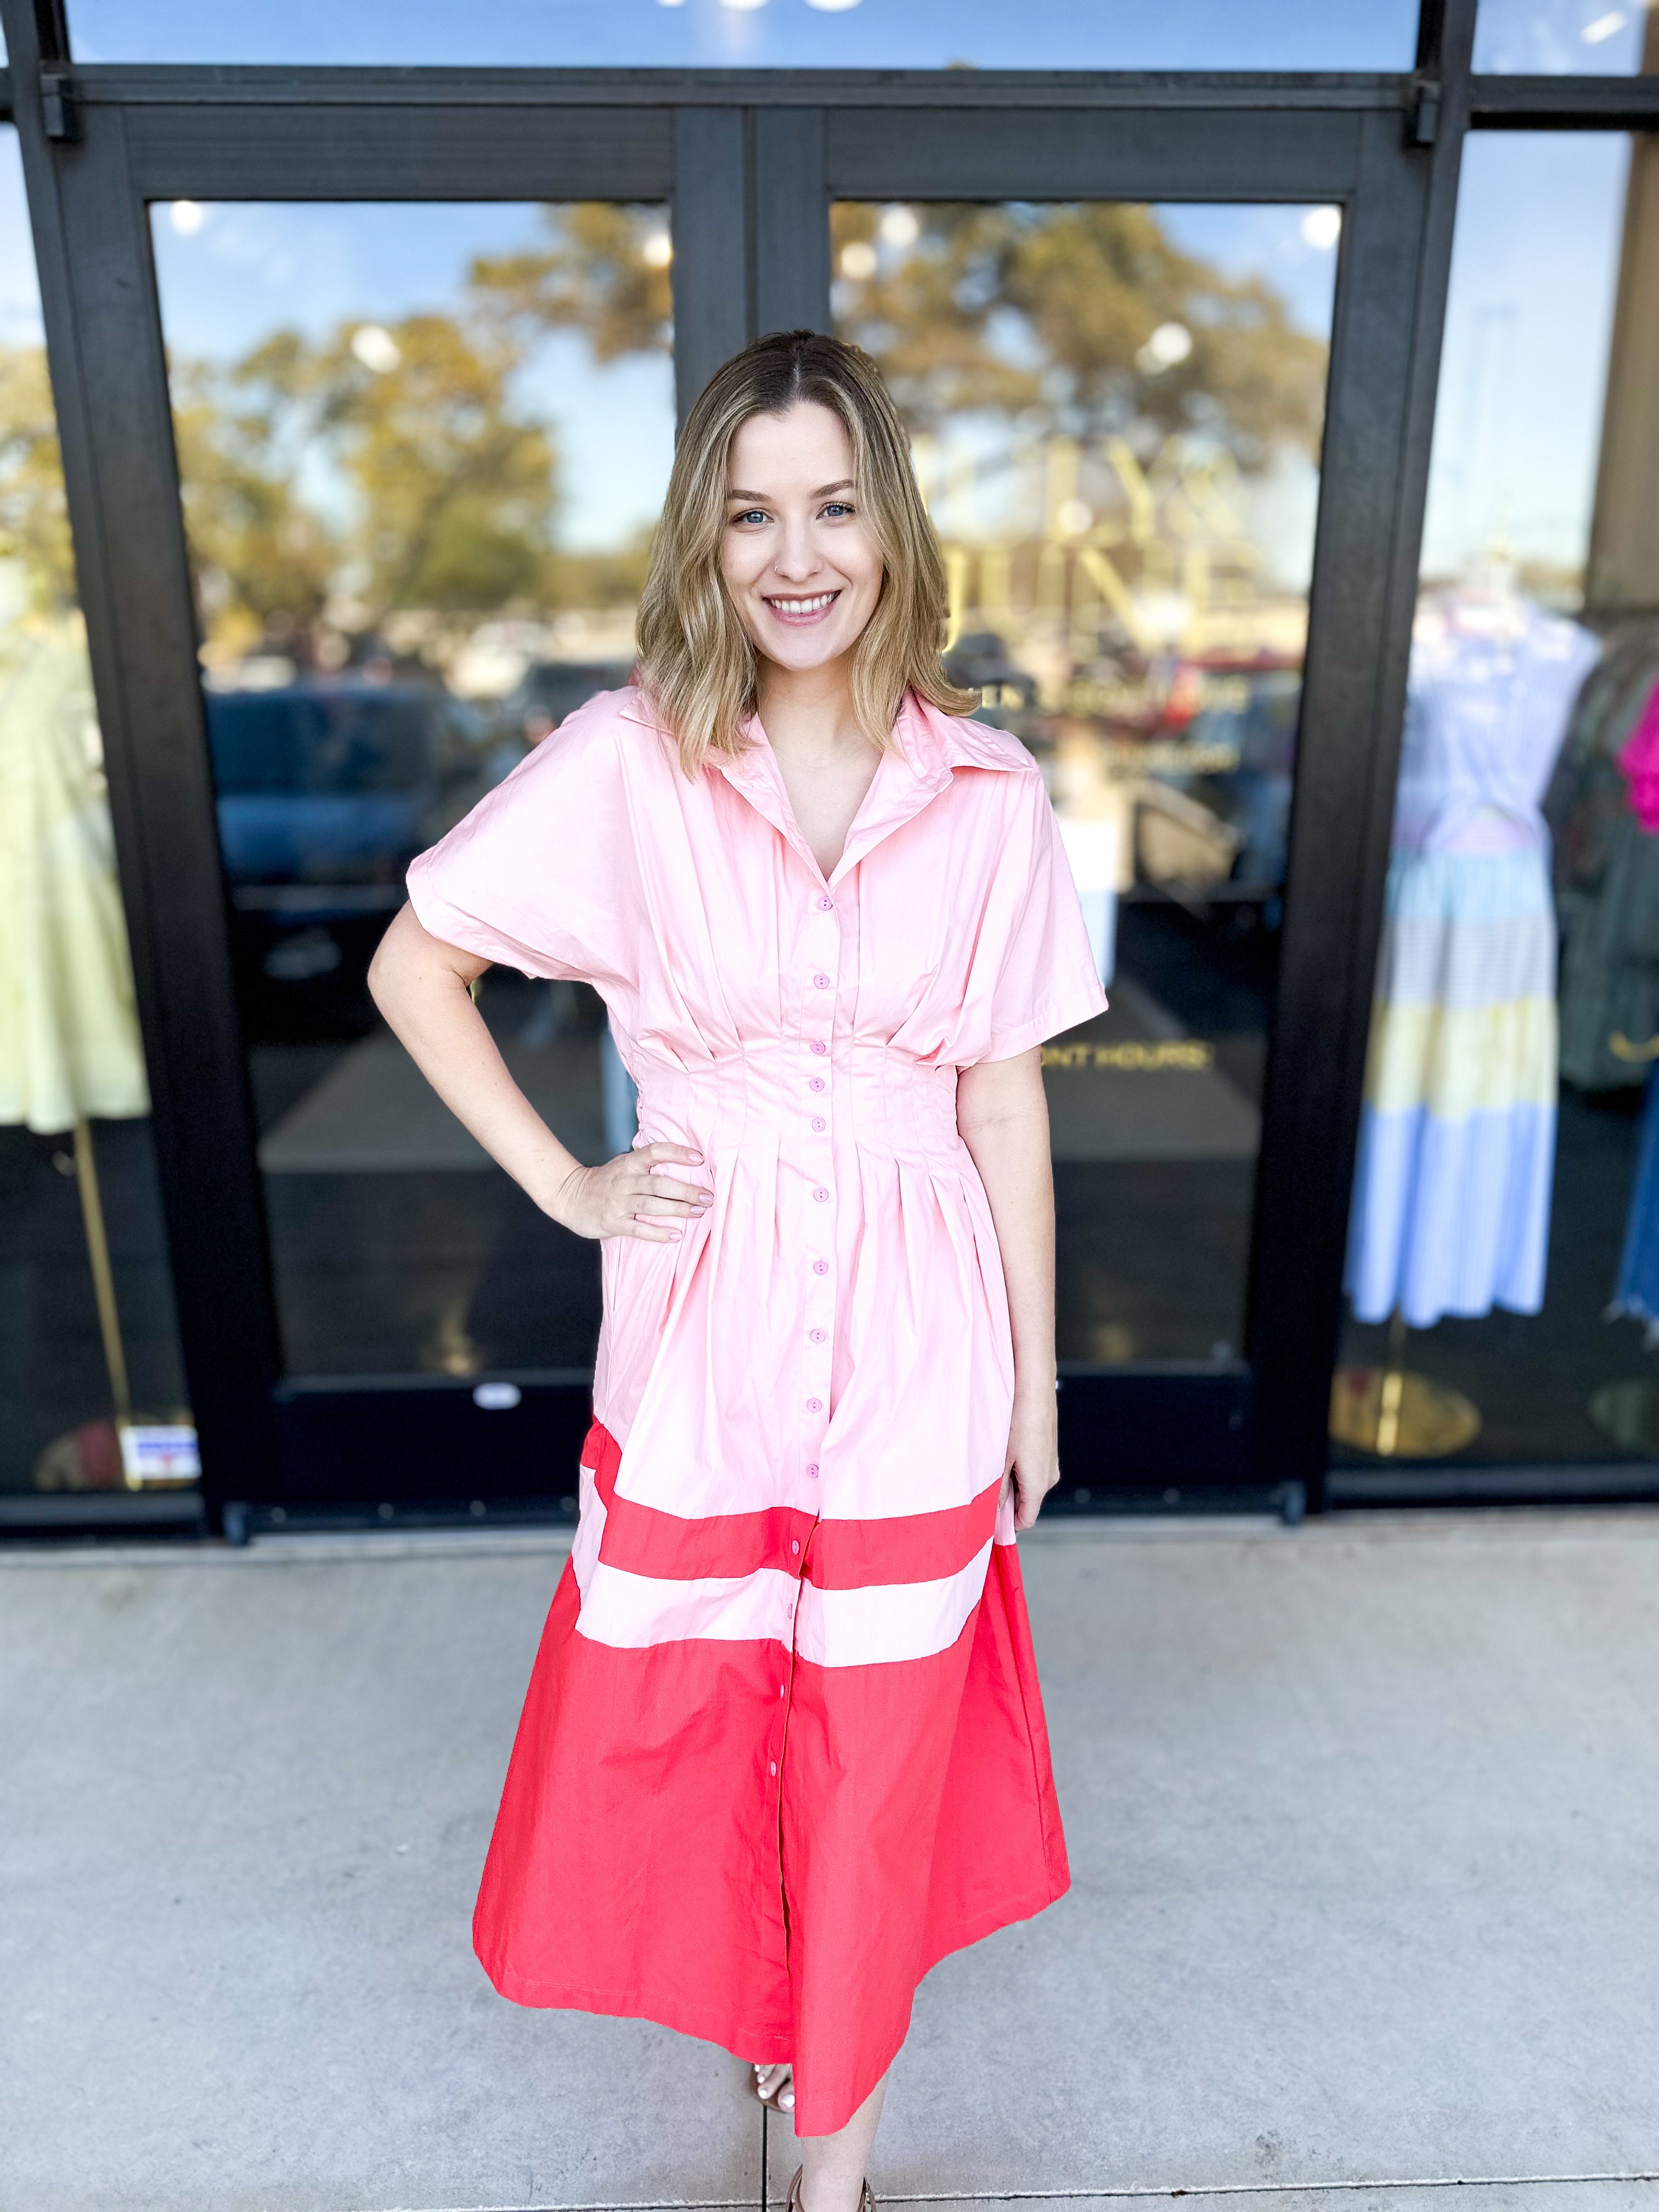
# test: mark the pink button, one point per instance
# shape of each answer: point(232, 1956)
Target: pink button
point(815, 1405)
point(780, 1689)
point(816, 1336)
point(815, 1083)
point(813, 1470)
point(818, 1045)
point(826, 904)
point(771, 1767)
point(820, 1194)
point(818, 1121)
point(820, 1267)
point(794, 1547)
point(823, 983)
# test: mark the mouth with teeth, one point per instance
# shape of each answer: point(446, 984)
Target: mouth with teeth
point(800, 612)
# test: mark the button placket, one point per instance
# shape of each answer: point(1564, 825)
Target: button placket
point(822, 965)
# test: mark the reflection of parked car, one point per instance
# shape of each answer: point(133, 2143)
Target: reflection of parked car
point(325, 792)
point(550, 689)
point(1257, 724)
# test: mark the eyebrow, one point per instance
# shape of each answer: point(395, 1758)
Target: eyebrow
point(759, 498)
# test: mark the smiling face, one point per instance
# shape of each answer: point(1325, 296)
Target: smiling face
point(800, 563)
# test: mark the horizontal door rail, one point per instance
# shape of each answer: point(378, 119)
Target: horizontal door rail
point(1579, 103)
point(225, 151)
point(219, 84)
point(1169, 154)
point(216, 152)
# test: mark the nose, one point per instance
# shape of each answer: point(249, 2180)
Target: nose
point(796, 559)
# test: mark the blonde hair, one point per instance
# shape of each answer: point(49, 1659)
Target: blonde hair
point(696, 663)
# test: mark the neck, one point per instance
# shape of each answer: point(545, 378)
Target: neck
point(808, 710)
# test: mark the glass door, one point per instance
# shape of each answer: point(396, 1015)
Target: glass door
point(420, 450)
point(1117, 411)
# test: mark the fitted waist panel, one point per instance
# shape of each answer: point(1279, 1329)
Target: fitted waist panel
point(885, 1102)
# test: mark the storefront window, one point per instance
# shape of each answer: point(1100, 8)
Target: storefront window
point(1116, 412)
point(91, 1395)
point(421, 450)
point(1566, 38)
point(1503, 1259)
point(1053, 34)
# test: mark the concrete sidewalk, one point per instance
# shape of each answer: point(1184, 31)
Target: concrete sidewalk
point(1365, 1831)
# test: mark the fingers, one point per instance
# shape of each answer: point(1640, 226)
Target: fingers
point(676, 1193)
point(657, 1205)
point(1028, 1496)
point(660, 1195)
point(649, 1199)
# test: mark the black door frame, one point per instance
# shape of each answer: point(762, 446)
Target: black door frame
point(750, 162)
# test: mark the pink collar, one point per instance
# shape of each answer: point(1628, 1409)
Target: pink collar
point(929, 746)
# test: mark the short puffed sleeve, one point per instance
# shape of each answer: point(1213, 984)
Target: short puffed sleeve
point(541, 875)
point(1036, 973)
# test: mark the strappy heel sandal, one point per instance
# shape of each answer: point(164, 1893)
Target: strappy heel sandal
point(866, 2202)
point(785, 2086)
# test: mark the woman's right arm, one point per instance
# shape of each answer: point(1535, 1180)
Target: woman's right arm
point(422, 987)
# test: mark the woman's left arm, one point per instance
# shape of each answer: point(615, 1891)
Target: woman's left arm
point(1003, 1115)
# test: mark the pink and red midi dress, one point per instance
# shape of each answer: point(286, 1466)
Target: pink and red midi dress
point(783, 1747)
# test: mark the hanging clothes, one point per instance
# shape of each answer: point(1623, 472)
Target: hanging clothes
point(1457, 1140)
point(1636, 1294)
point(1638, 763)
point(1607, 874)
point(68, 1026)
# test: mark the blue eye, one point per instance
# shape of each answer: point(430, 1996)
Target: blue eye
point(836, 506)
point(751, 514)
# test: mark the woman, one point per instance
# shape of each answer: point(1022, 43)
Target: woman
point(782, 1748)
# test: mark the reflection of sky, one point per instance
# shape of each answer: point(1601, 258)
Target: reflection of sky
point(1560, 38)
point(1518, 423)
point(1549, 37)
point(1522, 392)
point(981, 487)
point(1355, 34)
point(1266, 242)
point(252, 269)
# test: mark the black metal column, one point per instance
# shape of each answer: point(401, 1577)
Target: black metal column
point(713, 274)
point(792, 220)
point(1385, 366)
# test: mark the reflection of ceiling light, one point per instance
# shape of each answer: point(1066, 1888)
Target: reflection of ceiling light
point(186, 217)
point(1604, 26)
point(1171, 342)
point(899, 227)
point(858, 261)
point(376, 348)
point(742, 7)
point(832, 7)
point(657, 248)
point(1321, 226)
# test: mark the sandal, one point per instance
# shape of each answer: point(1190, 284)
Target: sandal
point(783, 2088)
point(866, 2202)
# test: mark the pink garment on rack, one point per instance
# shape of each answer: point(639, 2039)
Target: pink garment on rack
point(1638, 763)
